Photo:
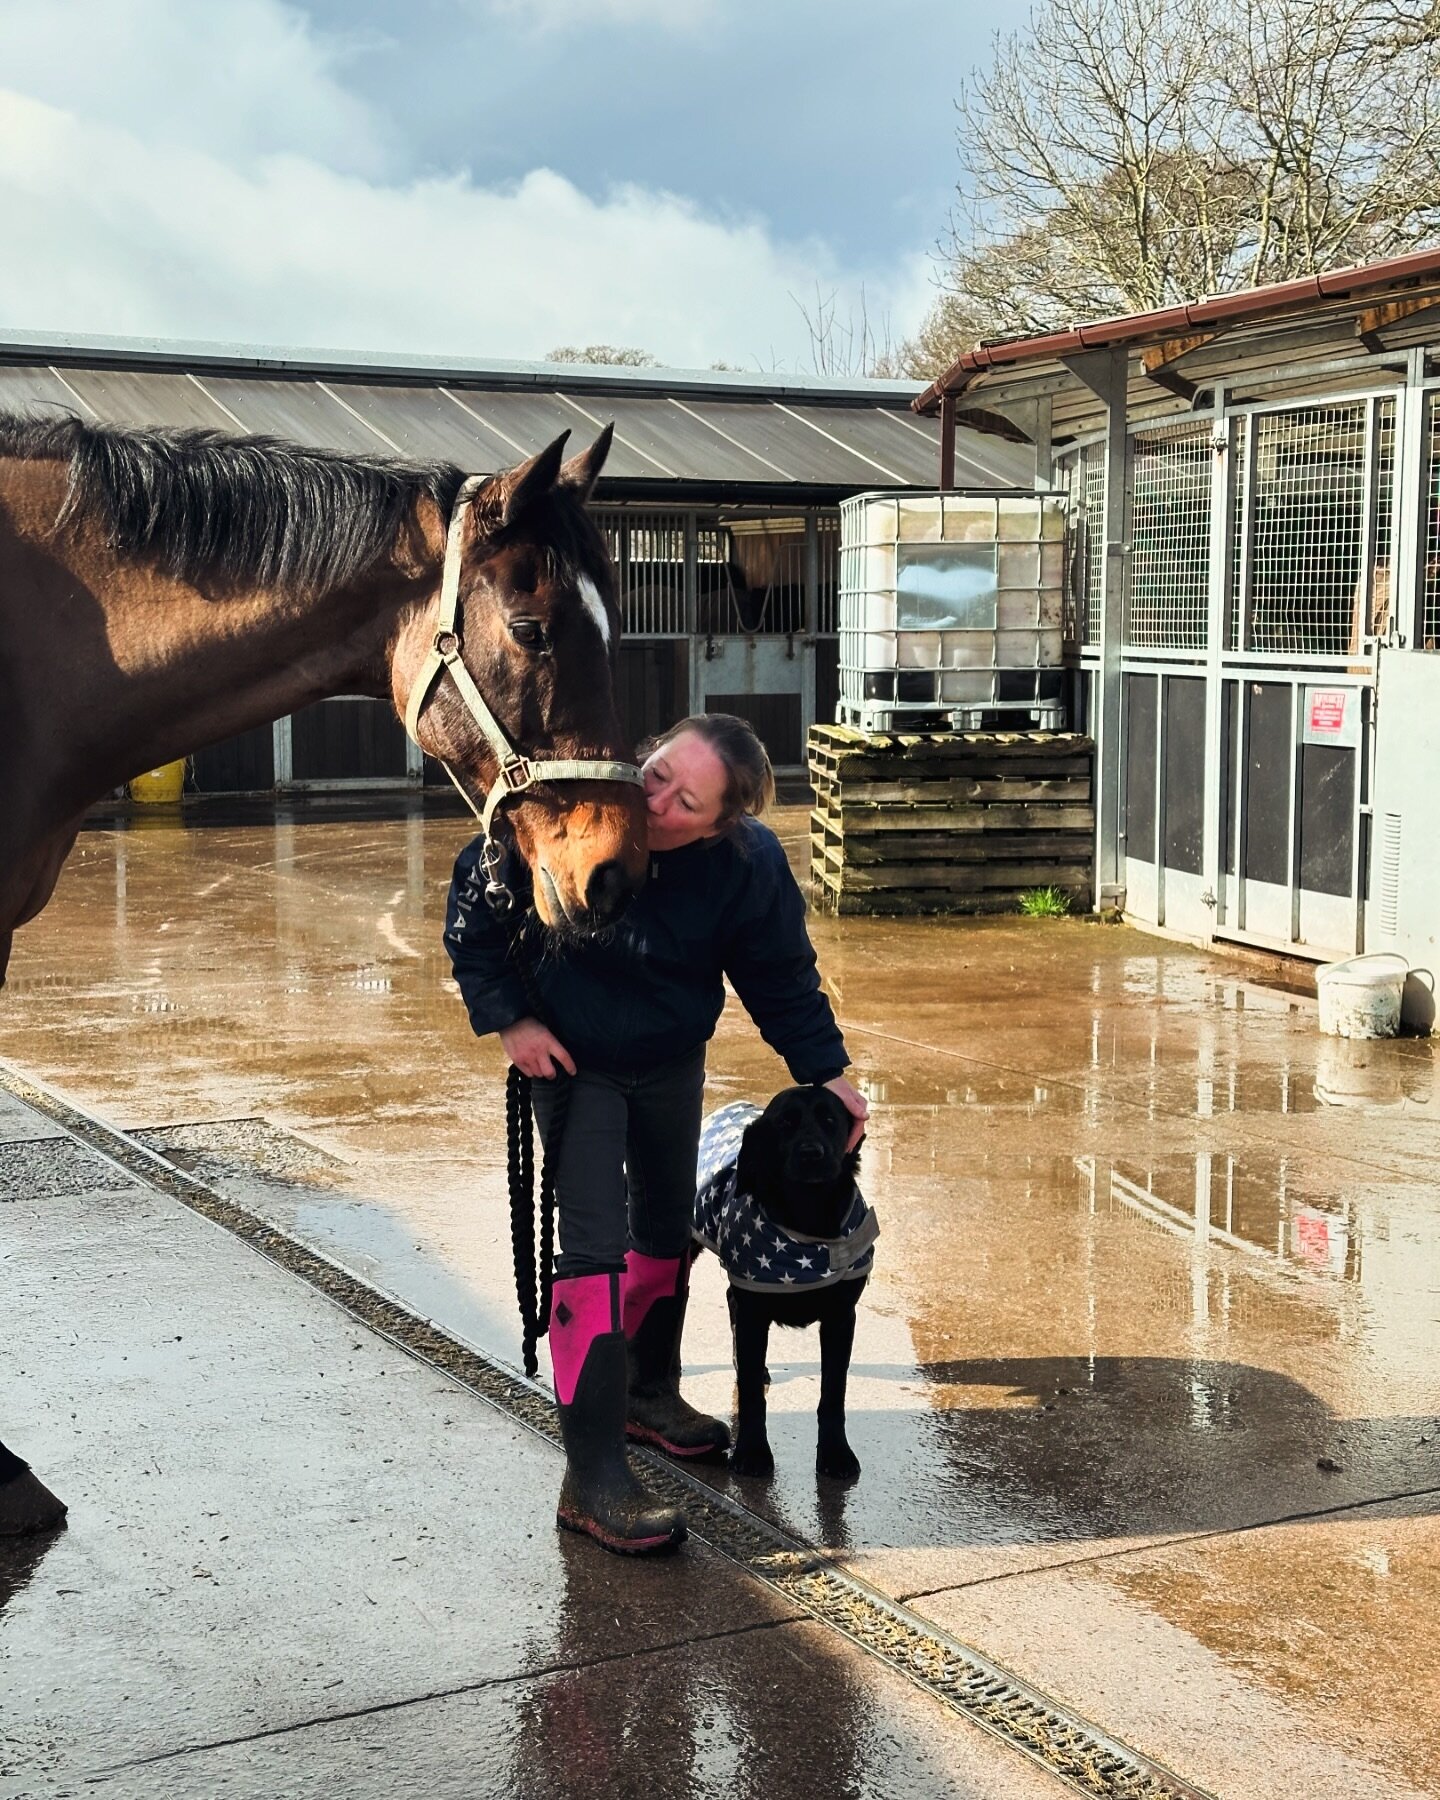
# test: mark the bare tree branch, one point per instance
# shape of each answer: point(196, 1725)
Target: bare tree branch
point(1125, 154)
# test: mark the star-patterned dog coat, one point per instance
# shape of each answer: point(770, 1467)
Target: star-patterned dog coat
point(756, 1252)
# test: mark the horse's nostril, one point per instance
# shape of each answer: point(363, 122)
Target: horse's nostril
point(608, 892)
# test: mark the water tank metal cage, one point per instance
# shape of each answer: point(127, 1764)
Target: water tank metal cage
point(951, 611)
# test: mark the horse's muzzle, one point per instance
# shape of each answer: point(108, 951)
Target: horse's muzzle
point(607, 893)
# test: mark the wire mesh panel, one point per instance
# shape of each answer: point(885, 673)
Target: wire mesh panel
point(1430, 597)
point(1308, 584)
point(1379, 598)
point(1093, 461)
point(1170, 538)
point(1238, 476)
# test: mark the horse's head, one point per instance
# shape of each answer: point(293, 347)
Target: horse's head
point(537, 623)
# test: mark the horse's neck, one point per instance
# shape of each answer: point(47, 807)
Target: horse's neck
point(140, 668)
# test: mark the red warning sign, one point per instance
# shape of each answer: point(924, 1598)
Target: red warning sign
point(1326, 715)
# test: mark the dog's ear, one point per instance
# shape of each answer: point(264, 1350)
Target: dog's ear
point(851, 1164)
point(755, 1165)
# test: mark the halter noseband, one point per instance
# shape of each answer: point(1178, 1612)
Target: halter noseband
point(517, 771)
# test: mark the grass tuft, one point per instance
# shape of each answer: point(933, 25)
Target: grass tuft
point(1045, 903)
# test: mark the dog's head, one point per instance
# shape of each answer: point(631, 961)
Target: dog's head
point(794, 1161)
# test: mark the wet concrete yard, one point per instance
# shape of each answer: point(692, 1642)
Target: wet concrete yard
point(1145, 1387)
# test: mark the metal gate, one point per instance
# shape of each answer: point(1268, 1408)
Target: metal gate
point(1259, 585)
point(738, 607)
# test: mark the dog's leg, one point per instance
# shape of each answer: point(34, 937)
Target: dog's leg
point(751, 1326)
point(833, 1455)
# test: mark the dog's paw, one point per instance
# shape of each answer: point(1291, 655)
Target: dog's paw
point(752, 1460)
point(837, 1462)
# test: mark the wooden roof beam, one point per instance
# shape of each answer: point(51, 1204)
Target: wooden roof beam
point(1373, 319)
point(1158, 361)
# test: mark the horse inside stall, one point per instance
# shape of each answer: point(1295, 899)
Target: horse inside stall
point(161, 591)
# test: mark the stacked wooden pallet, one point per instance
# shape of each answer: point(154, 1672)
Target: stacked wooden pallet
point(953, 822)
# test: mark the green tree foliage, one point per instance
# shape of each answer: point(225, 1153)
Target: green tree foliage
point(616, 354)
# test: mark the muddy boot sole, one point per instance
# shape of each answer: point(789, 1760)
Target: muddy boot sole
point(27, 1506)
point(712, 1452)
point(663, 1544)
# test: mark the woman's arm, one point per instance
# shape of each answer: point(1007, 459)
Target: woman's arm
point(769, 959)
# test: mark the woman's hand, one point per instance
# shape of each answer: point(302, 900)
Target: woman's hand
point(855, 1104)
point(534, 1050)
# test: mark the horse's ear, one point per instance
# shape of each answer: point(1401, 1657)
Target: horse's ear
point(522, 487)
point(583, 471)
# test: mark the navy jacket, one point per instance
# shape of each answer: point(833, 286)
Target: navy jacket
point(651, 987)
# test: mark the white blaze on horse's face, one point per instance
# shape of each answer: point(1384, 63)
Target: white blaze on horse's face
point(595, 606)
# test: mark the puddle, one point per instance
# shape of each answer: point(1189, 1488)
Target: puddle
point(1273, 1213)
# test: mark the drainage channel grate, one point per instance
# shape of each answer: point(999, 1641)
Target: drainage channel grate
point(952, 1672)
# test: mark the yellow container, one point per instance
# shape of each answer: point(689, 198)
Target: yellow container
point(159, 787)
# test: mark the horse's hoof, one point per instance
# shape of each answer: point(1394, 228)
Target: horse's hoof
point(27, 1505)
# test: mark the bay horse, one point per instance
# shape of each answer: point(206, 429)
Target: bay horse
point(163, 590)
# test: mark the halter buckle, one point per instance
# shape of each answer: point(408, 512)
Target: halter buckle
point(447, 644)
point(515, 774)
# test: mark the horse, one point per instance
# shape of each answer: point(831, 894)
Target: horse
point(163, 590)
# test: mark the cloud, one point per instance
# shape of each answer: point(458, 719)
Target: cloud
point(261, 205)
point(243, 78)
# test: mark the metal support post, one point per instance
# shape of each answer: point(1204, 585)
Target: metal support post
point(1411, 477)
point(947, 442)
point(1222, 537)
point(1105, 373)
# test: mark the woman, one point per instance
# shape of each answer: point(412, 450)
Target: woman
point(627, 1019)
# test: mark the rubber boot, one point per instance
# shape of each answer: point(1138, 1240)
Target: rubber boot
point(600, 1496)
point(656, 1291)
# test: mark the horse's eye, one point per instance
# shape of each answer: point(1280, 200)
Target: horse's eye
point(529, 634)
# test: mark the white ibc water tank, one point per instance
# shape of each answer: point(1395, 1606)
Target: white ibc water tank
point(951, 606)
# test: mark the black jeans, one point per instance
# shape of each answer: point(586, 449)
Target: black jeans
point(626, 1174)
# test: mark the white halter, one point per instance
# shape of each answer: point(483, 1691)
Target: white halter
point(517, 771)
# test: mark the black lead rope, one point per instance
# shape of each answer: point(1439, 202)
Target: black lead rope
point(534, 1274)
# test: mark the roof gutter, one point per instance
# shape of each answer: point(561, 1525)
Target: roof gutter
point(1176, 321)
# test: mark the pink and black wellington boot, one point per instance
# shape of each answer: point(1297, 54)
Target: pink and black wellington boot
point(656, 1291)
point(600, 1496)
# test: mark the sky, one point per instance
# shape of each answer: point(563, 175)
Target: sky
point(480, 178)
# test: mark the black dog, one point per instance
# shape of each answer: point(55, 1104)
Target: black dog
point(787, 1220)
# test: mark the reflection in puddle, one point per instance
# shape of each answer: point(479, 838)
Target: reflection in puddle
point(1257, 1207)
point(1372, 1077)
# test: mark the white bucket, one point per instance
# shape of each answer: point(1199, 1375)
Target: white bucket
point(1360, 997)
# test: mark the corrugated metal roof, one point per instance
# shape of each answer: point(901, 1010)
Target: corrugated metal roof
point(702, 429)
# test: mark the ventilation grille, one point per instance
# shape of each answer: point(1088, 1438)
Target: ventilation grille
point(1388, 896)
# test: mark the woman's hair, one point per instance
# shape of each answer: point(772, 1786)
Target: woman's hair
point(750, 781)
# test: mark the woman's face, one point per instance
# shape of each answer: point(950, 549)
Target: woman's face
point(685, 782)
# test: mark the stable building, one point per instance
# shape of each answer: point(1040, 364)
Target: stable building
point(1253, 621)
point(720, 502)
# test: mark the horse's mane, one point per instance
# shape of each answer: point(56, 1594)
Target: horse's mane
point(247, 510)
